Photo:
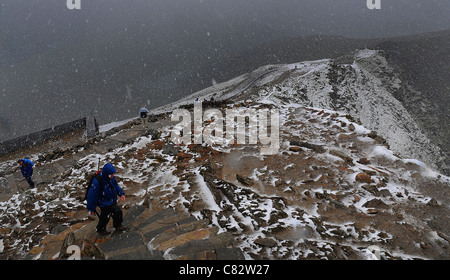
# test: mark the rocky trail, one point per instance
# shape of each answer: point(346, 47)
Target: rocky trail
point(151, 235)
point(68, 224)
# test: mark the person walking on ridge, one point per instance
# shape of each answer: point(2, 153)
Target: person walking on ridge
point(143, 114)
point(26, 167)
point(103, 193)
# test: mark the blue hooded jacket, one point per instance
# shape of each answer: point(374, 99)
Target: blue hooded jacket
point(109, 193)
point(27, 168)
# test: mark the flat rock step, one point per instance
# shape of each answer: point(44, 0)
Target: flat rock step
point(168, 234)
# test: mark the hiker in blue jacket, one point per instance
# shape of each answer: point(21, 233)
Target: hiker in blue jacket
point(26, 167)
point(104, 195)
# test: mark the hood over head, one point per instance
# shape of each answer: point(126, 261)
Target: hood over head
point(108, 169)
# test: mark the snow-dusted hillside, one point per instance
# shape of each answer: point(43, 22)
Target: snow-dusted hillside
point(334, 190)
point(364, 89)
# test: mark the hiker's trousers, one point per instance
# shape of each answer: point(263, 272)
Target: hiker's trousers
point(107, 212)
point(144, 121)
point(30, 182)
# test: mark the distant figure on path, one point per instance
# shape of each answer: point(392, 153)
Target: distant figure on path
point(143, 114)
point(26, 167)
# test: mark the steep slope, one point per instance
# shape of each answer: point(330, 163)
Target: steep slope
point(422, 61)
point(364, 88)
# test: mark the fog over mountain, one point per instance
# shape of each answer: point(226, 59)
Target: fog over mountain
point(112, 56)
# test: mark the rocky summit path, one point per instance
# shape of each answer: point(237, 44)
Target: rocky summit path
point(55, 158)
point(153, 232)
point(151, 235)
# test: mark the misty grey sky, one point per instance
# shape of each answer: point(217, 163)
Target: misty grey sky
point(53, 60)
point(29, 25)
point(292, 17)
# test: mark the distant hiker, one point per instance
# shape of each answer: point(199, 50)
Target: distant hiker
point(103, 193)
point(26, 167)
point(143, 114)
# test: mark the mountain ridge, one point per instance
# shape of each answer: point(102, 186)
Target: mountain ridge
point(79, 86)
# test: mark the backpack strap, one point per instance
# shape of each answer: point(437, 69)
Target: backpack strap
point(100, 181)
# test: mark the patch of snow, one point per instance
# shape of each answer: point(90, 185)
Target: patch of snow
point(206, 192)
point(109, 126)
point(383, 152)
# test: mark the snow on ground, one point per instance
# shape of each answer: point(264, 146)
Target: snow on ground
point(109, 126)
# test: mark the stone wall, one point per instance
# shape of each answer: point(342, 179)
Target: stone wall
point(40, 136)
